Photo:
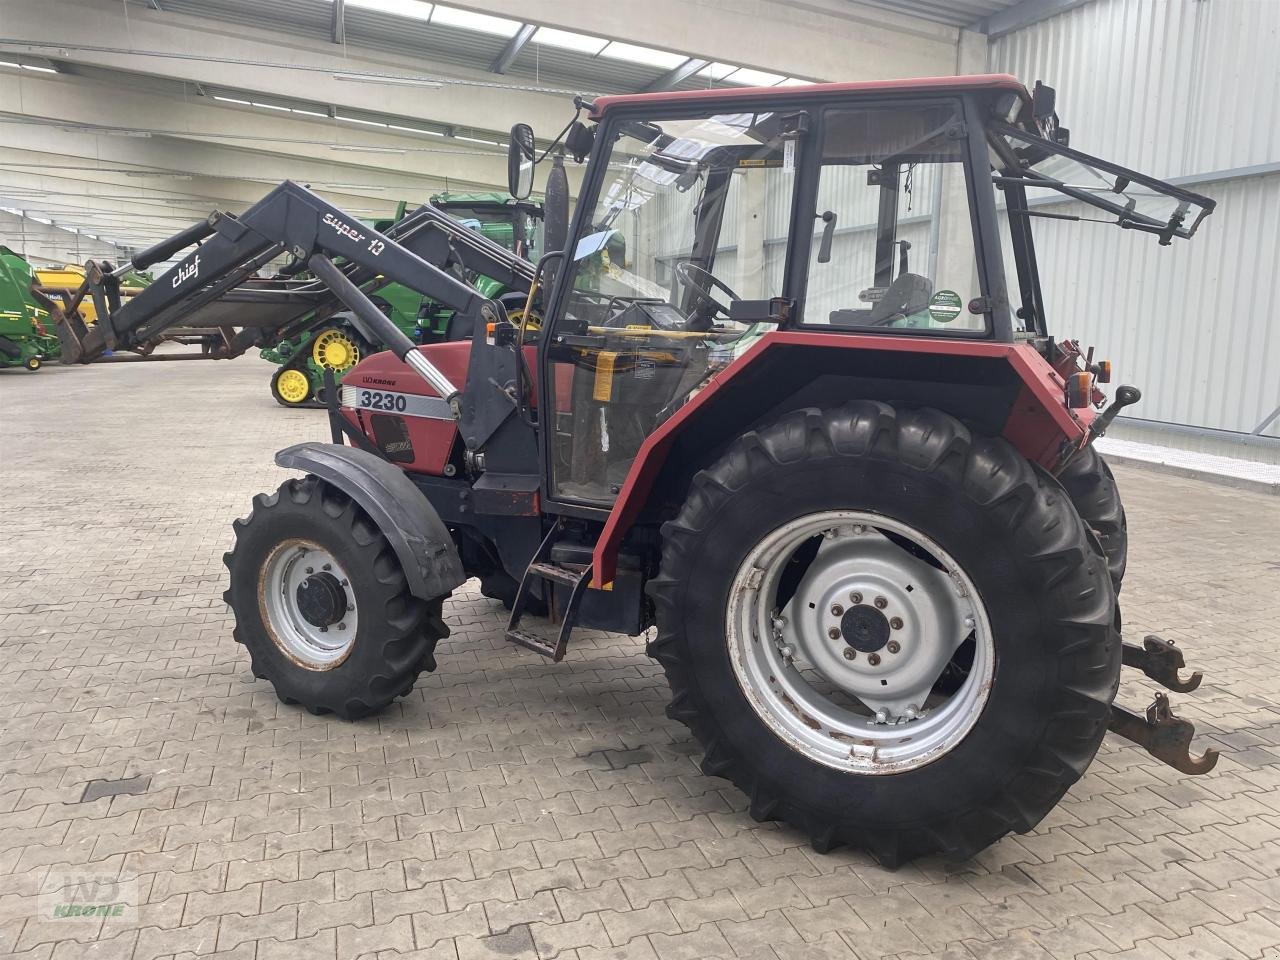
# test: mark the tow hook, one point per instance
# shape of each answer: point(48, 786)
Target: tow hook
point(1164, 736)
point(1125, 396)
point(1160, 660)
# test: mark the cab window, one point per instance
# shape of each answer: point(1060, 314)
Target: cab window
point(893, 240)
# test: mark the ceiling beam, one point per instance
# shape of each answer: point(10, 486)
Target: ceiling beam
point(339, 28)
point(677, 75)
point(1023, 14)
point(221, 54)
point(502, 62)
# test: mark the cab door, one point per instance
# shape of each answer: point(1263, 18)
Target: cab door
point(686, 221)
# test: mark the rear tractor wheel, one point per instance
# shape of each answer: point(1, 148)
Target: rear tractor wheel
point(322, 604)
point(1092, 488)
point(887, 632)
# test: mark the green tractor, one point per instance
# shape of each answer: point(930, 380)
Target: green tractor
point(336, 345)
point(24, 339)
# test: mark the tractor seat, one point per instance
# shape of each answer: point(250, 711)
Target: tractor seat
point(908, 294)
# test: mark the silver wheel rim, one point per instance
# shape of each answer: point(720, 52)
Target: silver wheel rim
point(827, 675)
point(311, 646)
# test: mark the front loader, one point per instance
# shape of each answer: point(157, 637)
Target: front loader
point(793, 412)
point(216, 299)
point(331, 345)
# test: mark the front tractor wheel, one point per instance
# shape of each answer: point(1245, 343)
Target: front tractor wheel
point(886, 632)
point(322, 604)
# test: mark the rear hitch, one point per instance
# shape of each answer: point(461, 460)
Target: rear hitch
point(1160, 660)
point(1164, 736)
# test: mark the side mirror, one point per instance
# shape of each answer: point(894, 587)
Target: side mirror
point(1043, 101)
point(520, 153)
point(1043, 111)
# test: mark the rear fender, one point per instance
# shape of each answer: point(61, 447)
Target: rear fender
point(406, 518)
point(1003, 389)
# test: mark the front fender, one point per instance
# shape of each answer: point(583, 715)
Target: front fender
point(406, 518)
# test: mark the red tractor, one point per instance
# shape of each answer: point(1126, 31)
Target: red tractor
point(786, 401)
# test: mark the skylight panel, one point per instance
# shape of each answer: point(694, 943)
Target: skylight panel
point(793, 82)
point(413, 9)
point(754, 78)
point(717, 70)
point(568, 40)
point(646, 55)
point(479, 22)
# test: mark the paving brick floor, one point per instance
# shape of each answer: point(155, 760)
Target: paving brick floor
point(511, 807)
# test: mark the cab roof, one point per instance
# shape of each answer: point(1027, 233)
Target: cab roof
point(982, 81)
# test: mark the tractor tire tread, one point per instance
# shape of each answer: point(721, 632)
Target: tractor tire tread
point(411, 627)
point(1051, 538)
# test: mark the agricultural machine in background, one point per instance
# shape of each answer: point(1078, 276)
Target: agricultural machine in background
point(792, 405)
point(26, 339)
point(335, 345)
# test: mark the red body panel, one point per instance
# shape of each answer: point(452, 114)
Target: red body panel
point(986, 81)
point(432, 439)
point(1038, 425)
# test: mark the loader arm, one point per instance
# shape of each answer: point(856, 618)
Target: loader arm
point(229, 250)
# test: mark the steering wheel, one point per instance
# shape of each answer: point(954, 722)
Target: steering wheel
point(683, 270)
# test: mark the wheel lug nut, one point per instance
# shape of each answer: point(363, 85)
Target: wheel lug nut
point(342, 626)
point(894, 646)
point(786, 652)
point(328, 566)
point(855, 598)
point(849, 653)
point(344, 583)
point(311, 569)
point(881, 603)
point(324, 629)
point(896, 623)
point(350, 607)
point(970, 622)
point(834, 633)
point(874, 659)
point(836, 610)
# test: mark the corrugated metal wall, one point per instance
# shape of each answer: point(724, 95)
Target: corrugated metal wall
point(1186, 89)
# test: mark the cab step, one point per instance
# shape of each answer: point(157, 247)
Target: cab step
point(540, 571)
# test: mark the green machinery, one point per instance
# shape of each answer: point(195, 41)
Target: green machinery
point(336, 345)
point(24, 339)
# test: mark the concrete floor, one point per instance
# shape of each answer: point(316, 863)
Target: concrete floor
point(514, 807)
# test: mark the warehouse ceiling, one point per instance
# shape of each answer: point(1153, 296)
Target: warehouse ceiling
point(127, 118)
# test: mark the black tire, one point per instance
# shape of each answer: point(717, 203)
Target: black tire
point(32, 363)
point(396, 634)
point(501, 586)
point(1046, 591)
point(1092, 488)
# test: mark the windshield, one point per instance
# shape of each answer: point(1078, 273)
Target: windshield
point(672, 276)
point(1054, 174)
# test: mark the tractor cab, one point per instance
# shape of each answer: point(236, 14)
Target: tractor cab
point(710, 221)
